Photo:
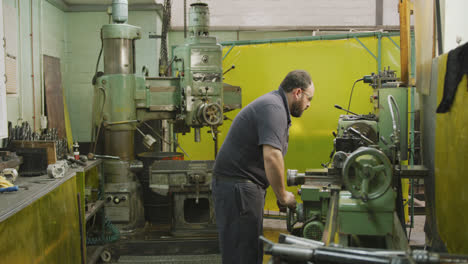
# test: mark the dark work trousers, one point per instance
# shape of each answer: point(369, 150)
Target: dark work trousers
point(239, 217)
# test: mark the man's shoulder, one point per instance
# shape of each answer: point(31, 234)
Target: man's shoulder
point(266, 104)
point(271, 98)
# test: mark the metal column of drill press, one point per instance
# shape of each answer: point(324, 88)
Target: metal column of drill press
point(114, 113)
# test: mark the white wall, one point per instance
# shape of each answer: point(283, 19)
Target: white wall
point(390, 13)
point(3, 114)
point(455, 23)
point(82, 49)
point(292, 13)
point(26, 105)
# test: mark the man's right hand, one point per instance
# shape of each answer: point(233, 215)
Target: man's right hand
point(288, 200)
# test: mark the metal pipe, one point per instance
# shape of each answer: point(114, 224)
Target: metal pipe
point(32, 64)
point(309, 38)
point(411, 161)
point(396, 125)
point(120, 122)
point(440, 46)
point(379, 53)
point(41, 61)
point(143, 134)
point(362, 28)
point(290, 239)
point(166, 142)
point(185, 18)
point(197, 134)
point(20, 80)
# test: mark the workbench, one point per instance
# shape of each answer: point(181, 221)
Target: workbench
point(40, 223)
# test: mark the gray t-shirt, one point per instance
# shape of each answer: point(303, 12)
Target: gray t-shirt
point(264, 121)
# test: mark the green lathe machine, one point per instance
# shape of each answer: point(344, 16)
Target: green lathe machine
point(158, 186)
point(356, 200)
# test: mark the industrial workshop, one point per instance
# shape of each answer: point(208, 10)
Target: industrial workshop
point(233, 131)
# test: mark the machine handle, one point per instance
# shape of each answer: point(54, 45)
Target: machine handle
point(341, 108)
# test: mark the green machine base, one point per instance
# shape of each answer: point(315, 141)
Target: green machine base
point(374, 217)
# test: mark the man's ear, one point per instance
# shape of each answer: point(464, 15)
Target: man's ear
point(297, 91)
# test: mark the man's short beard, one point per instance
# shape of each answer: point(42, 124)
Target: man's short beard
point(296, 109)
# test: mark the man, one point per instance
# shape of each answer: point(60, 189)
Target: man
point(251, 159)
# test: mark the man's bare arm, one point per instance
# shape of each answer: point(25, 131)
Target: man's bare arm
point(274, 168)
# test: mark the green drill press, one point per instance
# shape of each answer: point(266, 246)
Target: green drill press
point(125, 102)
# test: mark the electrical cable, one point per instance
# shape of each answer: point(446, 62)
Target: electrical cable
point(103, 238)
point(352, 89)
point(97, 63)
point(166, 23)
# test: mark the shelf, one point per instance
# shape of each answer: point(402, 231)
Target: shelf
point(93, 208)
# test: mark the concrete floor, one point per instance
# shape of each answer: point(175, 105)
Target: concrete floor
point(273, 227)
point(417, 236)
point(271, 230)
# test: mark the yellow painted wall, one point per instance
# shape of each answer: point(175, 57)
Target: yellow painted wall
point(451, 166)
point(333, 64)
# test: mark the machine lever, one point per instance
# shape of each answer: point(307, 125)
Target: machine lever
point(92, 156)
point(232, 67)
point(359, 134)
point(384, 140)
point(341, 108)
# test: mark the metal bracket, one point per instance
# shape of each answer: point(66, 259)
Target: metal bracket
point(394, 43)
point(225, 55)
point(364, 46)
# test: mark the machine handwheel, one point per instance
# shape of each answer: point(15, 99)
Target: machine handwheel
point(212, 114)
point(367, 173)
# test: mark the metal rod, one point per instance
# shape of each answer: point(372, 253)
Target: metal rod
point(394, 43)
point(185, 18)
point(225, 55)
point(341, 108)
point(166, 142)
point(411, 161)
point(439, 28)
point(121, 122)
point(367, 49)
point(140, 131)
point(232, 67)
point(32, 66)
point(379, 53)
point(308, 38)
